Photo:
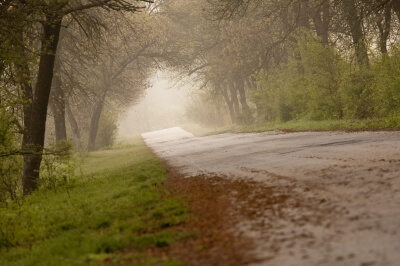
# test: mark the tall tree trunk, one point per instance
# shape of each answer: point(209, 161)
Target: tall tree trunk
point(57, 103)
point(229, 103)
point(321, 18)
point(23, 77)
point(57, 98)
point(76, 134)
point(243, 101)
point(234, 99)
point(354, 21)
point(36, 130)
point(94, 124)
point(27, 94)
point(300, 12)
point(384, 23)
point(242, 93)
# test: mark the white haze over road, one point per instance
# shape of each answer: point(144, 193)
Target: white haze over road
point(162, 106)
point(344, 188)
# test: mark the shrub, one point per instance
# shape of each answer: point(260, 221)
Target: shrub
point(107, 131)
point(57, 167)
point(357, 94)
point(386, 85)
point(10, 161)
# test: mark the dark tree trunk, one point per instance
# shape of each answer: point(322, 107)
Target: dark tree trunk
point(57, 104)
point(36, 130)
point(243, 101)
point(300, 13)
point(355, 24)
point(23, 77)
point(229, 103)
point(321, 18)
point(94, 125)
point(27, 93)
point(248, 118)
point(384, 22)
point(74, 126)
point(234, 99)
point(242, 93)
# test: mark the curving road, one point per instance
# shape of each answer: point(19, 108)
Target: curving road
point(341, 190)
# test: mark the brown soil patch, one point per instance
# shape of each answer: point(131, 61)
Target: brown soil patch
point(230, 216)
point(213, 216)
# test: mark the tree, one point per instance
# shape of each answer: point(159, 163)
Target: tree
point(355, 21)
point(49, 15)
point(112, 71)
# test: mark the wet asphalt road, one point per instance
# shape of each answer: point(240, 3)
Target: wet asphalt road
point(344, 188)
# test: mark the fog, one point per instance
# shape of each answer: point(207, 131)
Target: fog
point(162, 106)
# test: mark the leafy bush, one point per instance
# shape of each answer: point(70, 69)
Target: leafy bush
point(322, 70)
point(357, 94)
point(10, 162)
point(107, 131)
point(283, 95)
point(319, 84)
point(57, 167)
point(386, 85)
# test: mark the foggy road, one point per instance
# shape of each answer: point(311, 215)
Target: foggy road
point(342, 190)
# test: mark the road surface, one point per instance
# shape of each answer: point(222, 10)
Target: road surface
point(337, 194)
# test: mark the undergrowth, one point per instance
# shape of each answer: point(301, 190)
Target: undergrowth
point(117, 204)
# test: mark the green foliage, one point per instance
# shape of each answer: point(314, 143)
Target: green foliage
point(357, 94)
point(282, 96)
point(318, 83)
point(101, 214)
point(308, 84)
point(386, 85)
point(107, 131)
point(322, 69)
point(57, 167)
point(10, 164)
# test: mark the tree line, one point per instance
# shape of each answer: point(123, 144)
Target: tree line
point(72, 65)
point(278, 60)
point(75, 62)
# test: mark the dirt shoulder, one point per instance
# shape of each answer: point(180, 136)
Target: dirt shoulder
point(213, 216)
point(310, 198)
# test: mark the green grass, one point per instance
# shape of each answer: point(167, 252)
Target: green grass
point(112, 213)
point(328, 125)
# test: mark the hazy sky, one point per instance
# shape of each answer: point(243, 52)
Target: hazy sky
point(163, 106)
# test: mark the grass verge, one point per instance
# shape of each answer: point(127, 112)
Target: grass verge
point(328, 125)
point(118, 204)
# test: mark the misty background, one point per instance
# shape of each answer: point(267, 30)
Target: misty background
point(163, 105)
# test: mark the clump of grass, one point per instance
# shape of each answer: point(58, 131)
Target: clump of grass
point(116, 205)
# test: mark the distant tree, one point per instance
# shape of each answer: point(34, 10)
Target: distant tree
point(112, 71)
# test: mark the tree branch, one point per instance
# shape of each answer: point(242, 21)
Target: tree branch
point(117, 5)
